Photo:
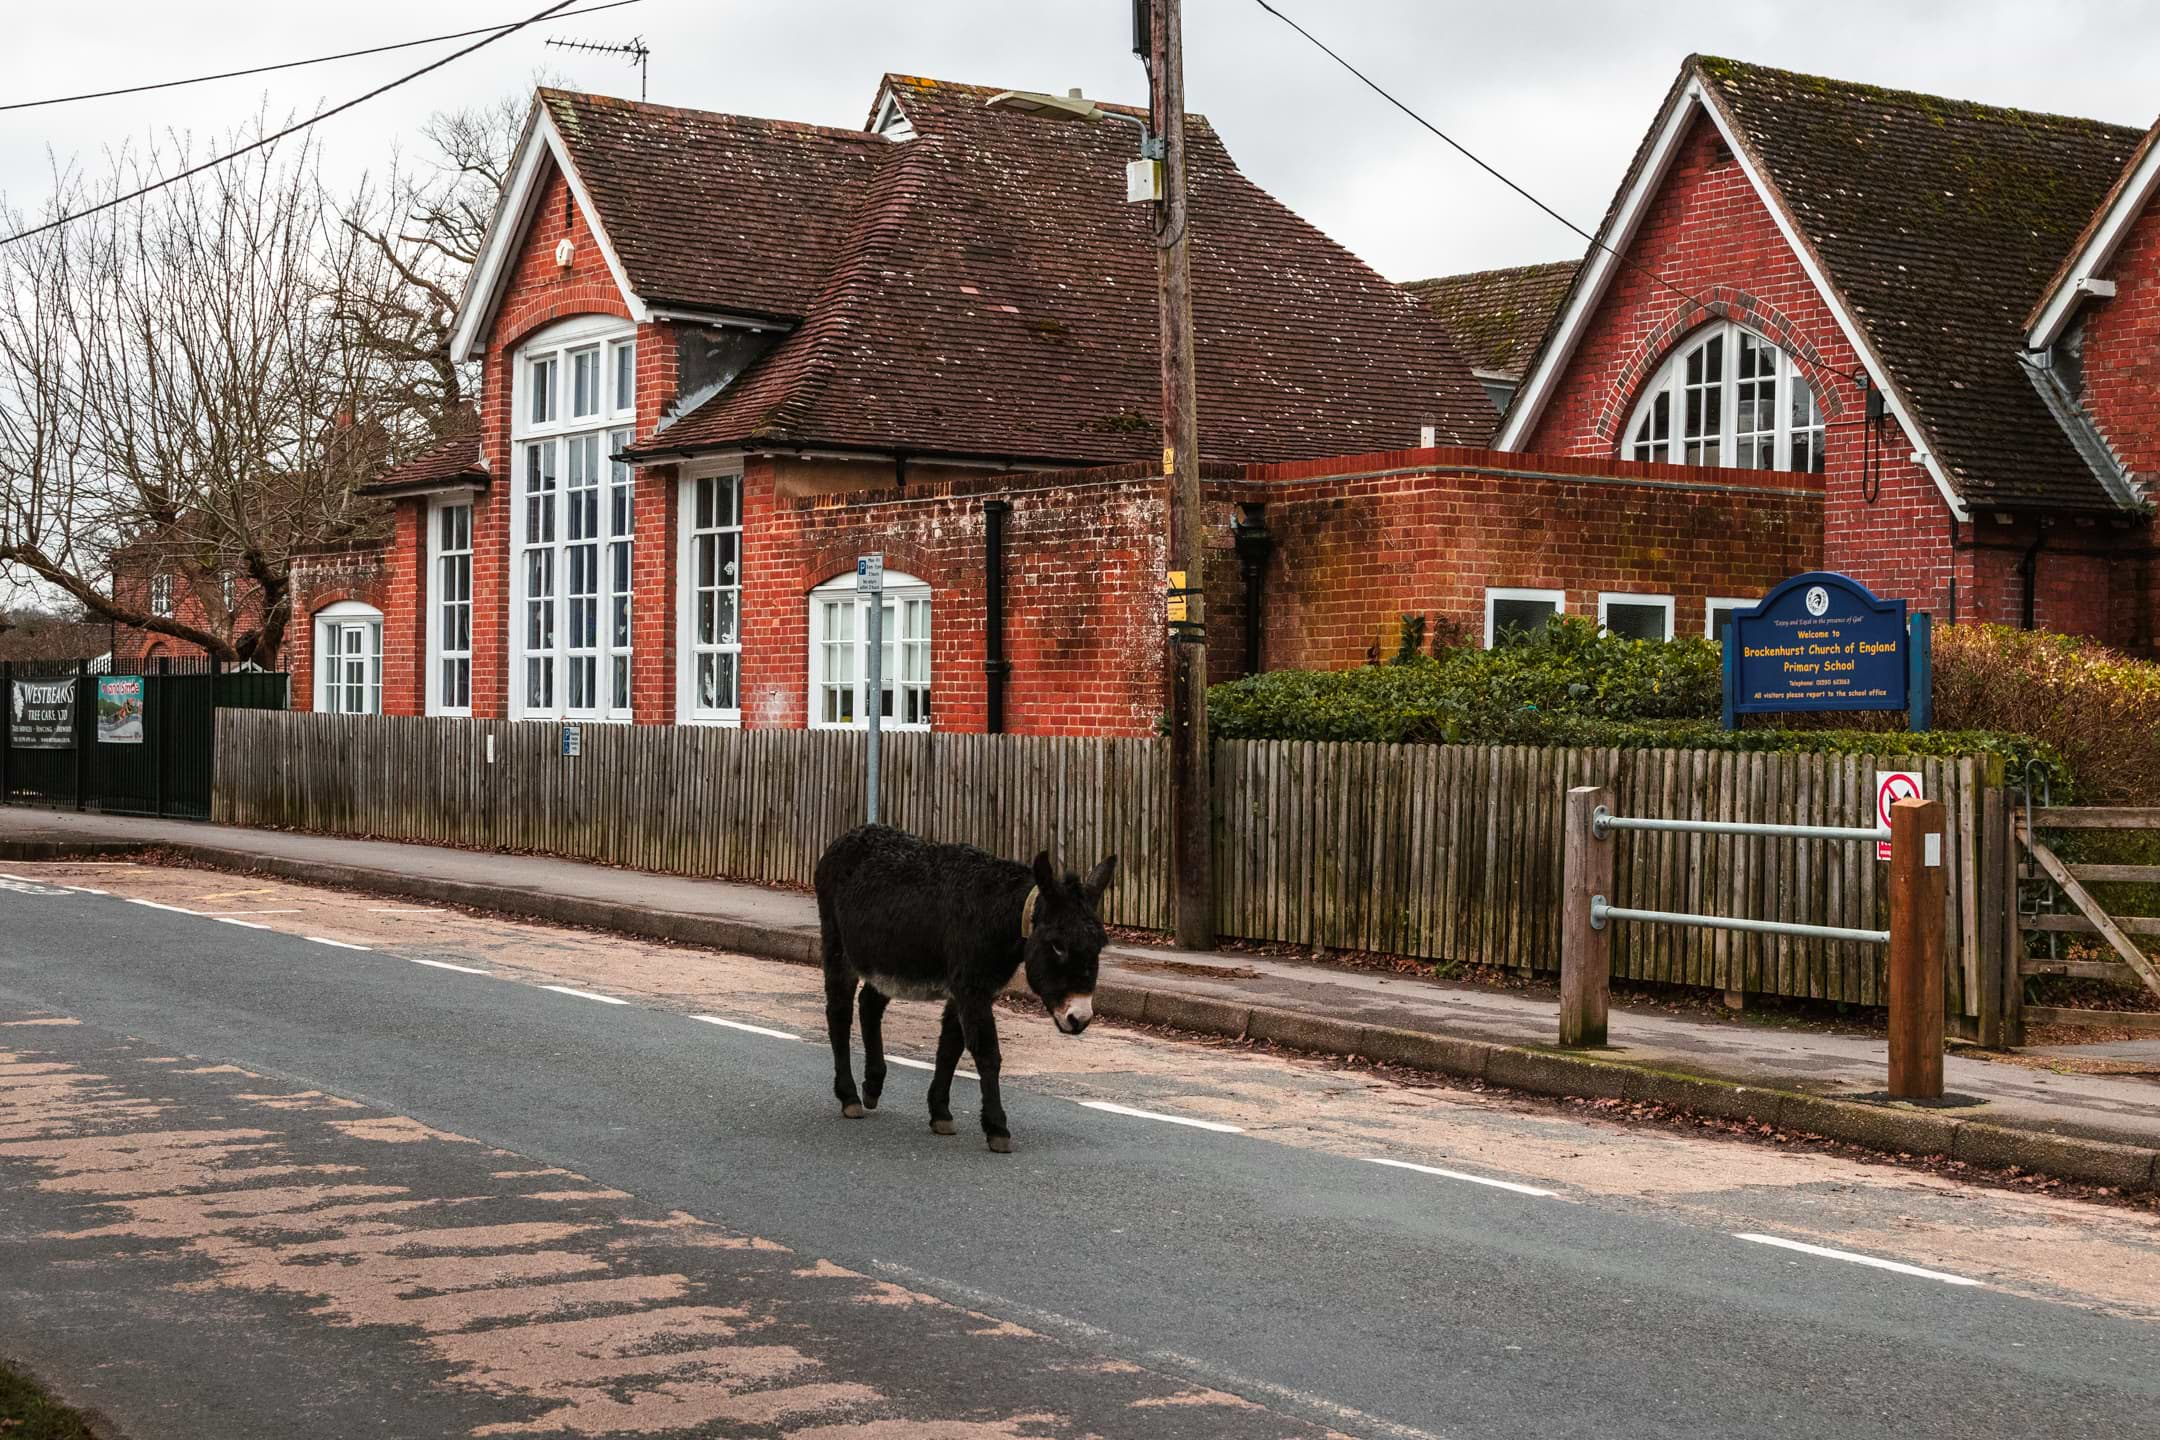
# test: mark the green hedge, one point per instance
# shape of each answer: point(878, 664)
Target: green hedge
point(1566, 684)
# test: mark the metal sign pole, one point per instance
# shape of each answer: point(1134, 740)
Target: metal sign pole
point(870, 580)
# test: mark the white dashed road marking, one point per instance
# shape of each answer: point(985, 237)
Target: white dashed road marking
point(340, 944)
point(446, 965)
point(1109, 1108)
point(748, 1029)
point(243, 924)
point(584, 994)
point(1828, 1254)
point(1459, 1175)
point(926, 1065)
point(155, 905)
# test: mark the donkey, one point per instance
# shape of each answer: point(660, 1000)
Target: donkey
point(919, 921)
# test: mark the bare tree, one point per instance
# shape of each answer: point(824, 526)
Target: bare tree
point(193, 384)
point(174, 391)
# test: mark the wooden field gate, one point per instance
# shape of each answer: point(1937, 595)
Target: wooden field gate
point(2056, 899)
point(1436, 852)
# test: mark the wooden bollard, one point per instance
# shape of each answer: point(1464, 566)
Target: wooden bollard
point(1585, 954)
point(1918, 873)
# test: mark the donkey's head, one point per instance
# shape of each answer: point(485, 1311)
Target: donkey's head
point(1065, 940)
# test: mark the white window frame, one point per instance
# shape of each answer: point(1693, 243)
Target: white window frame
point(1670, 382)
point(901, 591)
point(604, 337)
point(161, 592)
point(1496, 593)
point(439, 654)
point(688, 648)
point(1722, 602)
point(332, 623)
point(1608, 598)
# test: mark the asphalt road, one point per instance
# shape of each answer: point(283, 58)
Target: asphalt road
point(1324, 1289)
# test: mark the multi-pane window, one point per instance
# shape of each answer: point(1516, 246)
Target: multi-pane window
point(570, 620)
point(840, 660)
point(450, 629)
point(1728, 397)
point(712, 505)
point(161, 594)
point(1515, 614)
point(348, 646)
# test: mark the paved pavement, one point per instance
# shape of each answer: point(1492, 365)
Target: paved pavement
point(282, 1161)
point(2119, 1107)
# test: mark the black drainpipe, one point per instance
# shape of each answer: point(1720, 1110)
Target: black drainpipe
point(1254, 545)
point(995, 666)
point(2029, 569)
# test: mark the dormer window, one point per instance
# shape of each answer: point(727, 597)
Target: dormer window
point(1728, 397)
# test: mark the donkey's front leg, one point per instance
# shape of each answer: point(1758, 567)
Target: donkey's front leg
point(949, 1045)
point(979, 1023)
point(839, 1014)
point(874, 1002)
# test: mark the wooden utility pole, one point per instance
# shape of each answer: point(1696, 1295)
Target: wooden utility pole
point(1192, 839)
point(1919, 871)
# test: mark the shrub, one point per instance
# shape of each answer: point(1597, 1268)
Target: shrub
point(2097, 708)
point(1567, 684)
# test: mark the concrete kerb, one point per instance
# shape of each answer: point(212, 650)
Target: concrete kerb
point(1557, 1073)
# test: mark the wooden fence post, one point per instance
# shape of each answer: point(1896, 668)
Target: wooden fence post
point(1585, 953)
point(1918, 871)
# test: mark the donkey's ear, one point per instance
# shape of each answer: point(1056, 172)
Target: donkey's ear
point(1045, 877)
point(1099, 878)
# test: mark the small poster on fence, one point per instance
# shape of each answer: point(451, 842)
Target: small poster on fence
point(41, 715)
point(120, 710)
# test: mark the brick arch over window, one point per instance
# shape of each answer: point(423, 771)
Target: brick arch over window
point(829, 562)
point(1686, 318)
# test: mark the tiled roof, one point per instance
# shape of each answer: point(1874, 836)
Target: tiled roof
point(454, 460)
point(1940, 223)
point(718, 212)
point(1498, 316)
point(994, 295)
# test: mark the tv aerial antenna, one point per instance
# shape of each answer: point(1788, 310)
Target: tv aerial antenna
point(638, 53)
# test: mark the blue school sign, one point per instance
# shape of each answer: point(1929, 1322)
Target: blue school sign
point(1823, 641)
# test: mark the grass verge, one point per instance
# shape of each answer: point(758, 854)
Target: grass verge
point(29, 1412)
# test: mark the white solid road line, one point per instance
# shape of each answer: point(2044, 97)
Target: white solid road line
point(746, 1028)
point(1459, 1175)
point(1112, 1109)
point(156, 905)
point(243, 924)
point(1869, 1260)
point(446, 965)
point(584, 994)
point(341, 944)
point(926, 1065)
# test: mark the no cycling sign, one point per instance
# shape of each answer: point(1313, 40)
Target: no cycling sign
point(1892, 786)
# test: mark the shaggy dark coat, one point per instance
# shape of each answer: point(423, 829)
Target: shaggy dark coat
point(904, 918)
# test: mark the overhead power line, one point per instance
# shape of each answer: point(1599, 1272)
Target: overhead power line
point(293, 129)
point(1494, 171)
point(291, 64)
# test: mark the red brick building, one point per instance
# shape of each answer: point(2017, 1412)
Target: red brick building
point(722, 357)
point(1949, 311)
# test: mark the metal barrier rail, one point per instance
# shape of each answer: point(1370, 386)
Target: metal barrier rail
point(1603, 822)
point(1915, 937)
point(1600, 912)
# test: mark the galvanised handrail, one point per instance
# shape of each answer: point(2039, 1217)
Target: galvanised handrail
point(1600, 912)
point(1603, 822)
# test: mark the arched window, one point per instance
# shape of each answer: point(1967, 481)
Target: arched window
point(1728, 397)
point(839, 654)
point(574, 406)
point(348, 659)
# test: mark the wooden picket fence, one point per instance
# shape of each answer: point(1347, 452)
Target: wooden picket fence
point(1441, 852)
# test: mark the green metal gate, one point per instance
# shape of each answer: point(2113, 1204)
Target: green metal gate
point(122, 744)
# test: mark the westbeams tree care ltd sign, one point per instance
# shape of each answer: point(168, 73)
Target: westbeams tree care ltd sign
point(41, 715)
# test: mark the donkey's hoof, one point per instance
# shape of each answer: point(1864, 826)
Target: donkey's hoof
point(1001, 1144)
point(941, 1127)
point(851, 1112)
point(869, 1102)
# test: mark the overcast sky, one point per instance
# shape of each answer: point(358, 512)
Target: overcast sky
point(1554, 92)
